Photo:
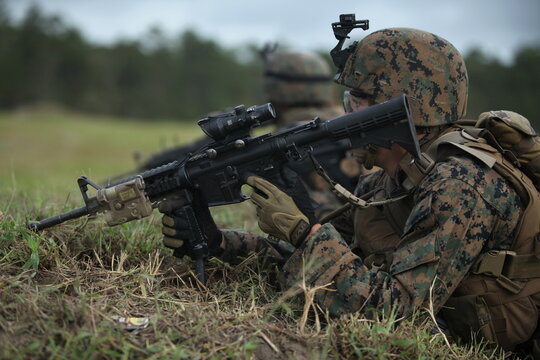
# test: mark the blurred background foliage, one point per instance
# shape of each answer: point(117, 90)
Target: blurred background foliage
point(44, 60)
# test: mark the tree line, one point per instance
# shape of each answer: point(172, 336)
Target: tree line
point(43, 60)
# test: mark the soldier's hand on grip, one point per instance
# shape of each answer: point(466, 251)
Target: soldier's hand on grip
point(177, 231)
point(279, 214)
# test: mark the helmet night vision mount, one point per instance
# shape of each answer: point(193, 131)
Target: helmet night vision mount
point(341, 29)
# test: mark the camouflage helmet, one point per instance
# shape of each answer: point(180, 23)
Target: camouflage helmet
point(426, 67)
point(293, 78)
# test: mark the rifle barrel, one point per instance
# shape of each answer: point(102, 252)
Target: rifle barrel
point(57, 219)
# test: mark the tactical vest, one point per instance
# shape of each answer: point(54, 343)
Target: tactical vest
point(378, 228)
point(499, 299)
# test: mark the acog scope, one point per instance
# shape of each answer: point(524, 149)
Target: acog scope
point(236, 123)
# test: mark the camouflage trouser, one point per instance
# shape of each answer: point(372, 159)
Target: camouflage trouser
point(240, 243)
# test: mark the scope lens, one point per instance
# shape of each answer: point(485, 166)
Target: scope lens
point(271, 110)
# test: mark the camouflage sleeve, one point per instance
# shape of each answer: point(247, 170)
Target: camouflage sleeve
point(240, 243)
point(324, 202)
point(444, 234)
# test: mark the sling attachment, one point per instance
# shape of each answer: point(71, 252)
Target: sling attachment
point(343, 193)
point(424, 163)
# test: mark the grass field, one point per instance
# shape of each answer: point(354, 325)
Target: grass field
point(61, 290)
point(47, 148)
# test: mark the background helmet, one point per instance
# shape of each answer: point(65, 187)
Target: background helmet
point(298, 79)
point(426, 67)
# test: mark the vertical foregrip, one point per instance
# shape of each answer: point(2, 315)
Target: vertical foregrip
point(198, 244)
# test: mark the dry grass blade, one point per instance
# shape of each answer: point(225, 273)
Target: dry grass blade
point(269, 342)
point(431, 313)
point(309, 303)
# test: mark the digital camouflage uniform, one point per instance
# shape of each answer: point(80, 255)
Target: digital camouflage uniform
point(429, 241)
point(457, 205)
point(432, 240)
point(456, 208)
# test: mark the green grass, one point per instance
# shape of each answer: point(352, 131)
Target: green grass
point(61, 289)
point(45, 149)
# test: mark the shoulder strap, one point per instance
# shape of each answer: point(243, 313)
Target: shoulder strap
point(417, 170)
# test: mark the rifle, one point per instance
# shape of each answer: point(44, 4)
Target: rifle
point(222, 167)
point(328, 154)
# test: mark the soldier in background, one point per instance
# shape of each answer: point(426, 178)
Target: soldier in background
point(299, 85)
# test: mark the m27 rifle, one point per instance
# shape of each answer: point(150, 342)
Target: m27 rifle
point(222, 167)
point(329, 155)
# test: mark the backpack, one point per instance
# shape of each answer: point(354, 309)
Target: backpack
point(513, 135)
point(499, 299)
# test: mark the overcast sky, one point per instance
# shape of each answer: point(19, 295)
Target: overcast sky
point(499, 27)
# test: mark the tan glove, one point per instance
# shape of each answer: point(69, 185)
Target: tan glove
point(174, 233)
point(171, 235)
point(277, 213)
point(178, 233)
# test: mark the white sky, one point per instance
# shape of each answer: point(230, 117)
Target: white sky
point(498, 27)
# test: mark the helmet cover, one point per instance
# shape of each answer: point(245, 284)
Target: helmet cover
point(424, 66)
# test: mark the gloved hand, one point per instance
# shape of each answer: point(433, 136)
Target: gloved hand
point(365, 156)
point(286, 215)
point(177, 231)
